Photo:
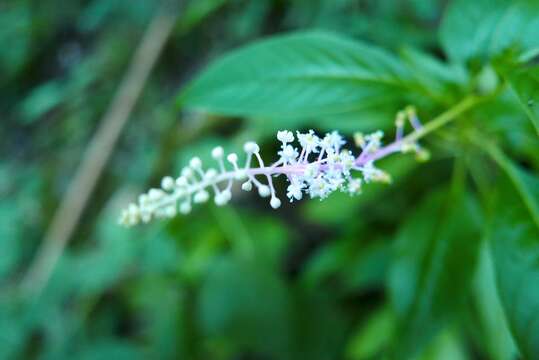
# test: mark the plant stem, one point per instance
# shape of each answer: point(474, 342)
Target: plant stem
point(439, 121)
point(444, 118)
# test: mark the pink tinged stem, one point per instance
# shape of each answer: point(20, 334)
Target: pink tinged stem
point(416, 124)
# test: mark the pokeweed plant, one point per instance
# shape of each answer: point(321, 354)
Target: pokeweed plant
point(491, 49)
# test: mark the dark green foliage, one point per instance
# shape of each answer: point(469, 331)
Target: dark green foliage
point(441, 264)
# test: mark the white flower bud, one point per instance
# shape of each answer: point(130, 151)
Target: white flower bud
point(195, 163)
point(217, 153)
point(227, 195)
point(187, 172)
point(251, 147)
point(247, 186)
point(219, 199)
point(143, 199)
point(170, 211)
point(275, 203)
point(210, 174)
point(264, 191)
point(185, 208)
point(232, 158)
point(167, 183)
point(155, 194)
point(181, 181)
point(201, 197)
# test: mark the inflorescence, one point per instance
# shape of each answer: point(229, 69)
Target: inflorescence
point(318, 167)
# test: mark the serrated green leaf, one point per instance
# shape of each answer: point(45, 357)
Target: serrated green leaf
point(525, 83)
point(298, 75)
point(485, 28)
point(436, 251)
point(515, 245)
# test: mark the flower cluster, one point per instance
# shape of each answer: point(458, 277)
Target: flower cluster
point(315, 166)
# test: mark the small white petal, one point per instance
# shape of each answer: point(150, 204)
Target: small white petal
point(247, 186)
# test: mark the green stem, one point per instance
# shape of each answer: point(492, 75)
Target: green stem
point(444, 118)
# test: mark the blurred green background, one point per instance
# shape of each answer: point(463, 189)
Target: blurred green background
point(361, 277)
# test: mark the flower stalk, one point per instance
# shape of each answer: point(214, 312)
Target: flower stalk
point(317, 168)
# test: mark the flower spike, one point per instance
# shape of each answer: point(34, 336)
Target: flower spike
point(318, 167)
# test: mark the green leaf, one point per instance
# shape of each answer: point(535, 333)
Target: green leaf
point(515, 245)
point(246, 305)
point(525, 83)
point(373, 336)
point(526, 184)
point(298, 75)
point(436, 251)
point(491, 320)
point(485, 28)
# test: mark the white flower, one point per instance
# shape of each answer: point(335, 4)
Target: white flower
point(309, 141)
point(354, 186)
point(295, 189)
point(285, 136)
point(332, 141)
point(372, 173)
point(374, 141)
point(311, 171)
point(347, 161)
point(288, 154)
point(318, 187)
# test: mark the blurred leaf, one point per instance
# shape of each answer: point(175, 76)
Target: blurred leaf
point(373, 337)
point(515, 243)
point(247, 305)
point(196, 11)
point(298, 75)
point(495, 335)
point(15, 37)
point(485, 28)
point(41, 100)
point(436, 77)
point(110, 349)
point(527, 185)
point(436, 250)
point(525, 83)
point(446, 346)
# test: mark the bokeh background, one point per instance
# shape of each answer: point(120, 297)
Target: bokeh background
point(313, 280)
